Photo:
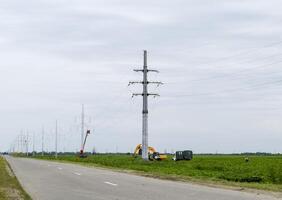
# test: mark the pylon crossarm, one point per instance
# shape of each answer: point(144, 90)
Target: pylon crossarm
point(154, 95)
point(148, 70)
point(137, 94)
point(134, 82)
point(155, 82)
point(138, 70)
point(152, 70)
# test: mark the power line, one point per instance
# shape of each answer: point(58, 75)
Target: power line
point(234, 75)
point(246, 52)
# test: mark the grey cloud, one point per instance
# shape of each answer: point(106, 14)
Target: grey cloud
point(56, 55)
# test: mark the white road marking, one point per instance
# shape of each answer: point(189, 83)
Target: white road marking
point(59, 168)
point(78, 174)
point(49, 165)
point(109, 183)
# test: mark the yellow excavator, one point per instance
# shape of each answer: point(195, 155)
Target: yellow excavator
point(153, 154)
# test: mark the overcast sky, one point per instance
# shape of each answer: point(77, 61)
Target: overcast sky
point(220, 62)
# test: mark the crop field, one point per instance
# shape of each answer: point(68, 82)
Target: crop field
point(9, 185)
point(261, 172)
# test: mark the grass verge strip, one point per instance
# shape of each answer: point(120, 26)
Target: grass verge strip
point(10, 188)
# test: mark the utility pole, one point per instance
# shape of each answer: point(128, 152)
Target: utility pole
point(42, 140)
point(18, 144)
point(26, 142)
point(82, 126)
point(33, 144)
point(145, 95)
point(21, 141)
point(56, 140)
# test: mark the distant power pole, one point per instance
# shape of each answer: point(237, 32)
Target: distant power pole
point(26, 142)
point(21, 141)
point(145, 95)
point(82, 126)
point(56, 140)
point(42, 140)
point(33, 144)
point(18, 144)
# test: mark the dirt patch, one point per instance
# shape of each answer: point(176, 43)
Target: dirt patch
point(12, 194)
point(9, 171)
point(2, 194)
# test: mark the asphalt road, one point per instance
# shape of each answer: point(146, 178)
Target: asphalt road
point(46, 180)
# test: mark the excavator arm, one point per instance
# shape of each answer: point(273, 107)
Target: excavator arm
point(138, 150)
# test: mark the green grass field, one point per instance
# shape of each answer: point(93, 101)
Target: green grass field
point(261, 172)
point(9, 185)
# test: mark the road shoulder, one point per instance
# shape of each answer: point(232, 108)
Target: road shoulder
point(10, 187)
point(207, 183)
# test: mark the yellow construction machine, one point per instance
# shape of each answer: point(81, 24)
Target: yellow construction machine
point(153, 154)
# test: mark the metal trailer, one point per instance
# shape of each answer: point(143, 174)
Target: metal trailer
point(183, 155)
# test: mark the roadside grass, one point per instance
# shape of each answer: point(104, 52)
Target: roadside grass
point(261, 172)
point(10, 188)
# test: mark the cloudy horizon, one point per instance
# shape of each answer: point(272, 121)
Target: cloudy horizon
point(219, 61)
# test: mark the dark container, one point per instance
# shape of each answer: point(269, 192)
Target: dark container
point(187, 155)
point(184, 155)
point(179, 155)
